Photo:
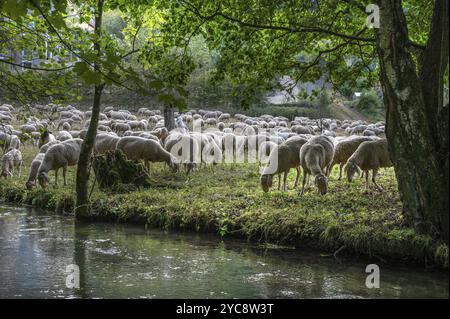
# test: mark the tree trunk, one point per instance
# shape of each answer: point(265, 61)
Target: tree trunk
point(421, 181)
point(169, 118)
point(82, 180)
point(83, 169)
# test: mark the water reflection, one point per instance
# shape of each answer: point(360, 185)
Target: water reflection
point(118, 261)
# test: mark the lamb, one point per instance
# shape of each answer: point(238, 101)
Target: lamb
point(344, 149)
point(138, 148)
point(370, 155)
point(46, 137)
point(34, 167)
point(315, 157)
point(59, 156)
point(282, 158)
point(11, 160)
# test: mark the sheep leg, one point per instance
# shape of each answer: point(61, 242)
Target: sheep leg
point(341, 166)
point(20, 167)
point(305, 176)
point(56, 177)
point(297, 177)
point(367, 180)
point(329, 170)
point(284, 180)
point(279, 181)
point(64, 169)
point(374, 175)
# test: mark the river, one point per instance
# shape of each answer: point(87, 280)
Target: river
point(126, 261)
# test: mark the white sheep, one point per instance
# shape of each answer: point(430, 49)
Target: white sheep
point(315, 157)
point(370, 155)
point(105, 142)
point(59, 156)
point(44, 148)
point(46, 137)
point(10, 161)
point(138, 148)
point(34, 167)
point(344, 149)
point(63, 136)
point(282, 158)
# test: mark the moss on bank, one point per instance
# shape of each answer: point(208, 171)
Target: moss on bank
point(227, 200)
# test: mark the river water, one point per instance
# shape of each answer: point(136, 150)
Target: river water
point(122, 261)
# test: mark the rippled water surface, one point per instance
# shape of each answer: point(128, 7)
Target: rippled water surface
point(119, 261)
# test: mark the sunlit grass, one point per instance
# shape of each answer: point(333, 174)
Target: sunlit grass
point(226, 199)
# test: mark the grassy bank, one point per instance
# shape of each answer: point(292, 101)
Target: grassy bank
point(227, 200)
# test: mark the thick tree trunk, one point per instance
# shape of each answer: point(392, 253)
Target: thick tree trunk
point(83, 168)
point(421, 180)
point(169, 118)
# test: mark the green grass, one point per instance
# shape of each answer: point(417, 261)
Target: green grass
point(226, 199)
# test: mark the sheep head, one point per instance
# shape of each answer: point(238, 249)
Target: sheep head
point(6, 174)
point(43, 179)
point(351, 169)
point(266, 182)
point(322, 184)
point(173, 163)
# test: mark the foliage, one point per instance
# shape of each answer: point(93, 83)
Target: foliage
point(370, 105)
point(113, 171)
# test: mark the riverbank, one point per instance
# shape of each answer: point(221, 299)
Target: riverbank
point(227, 200)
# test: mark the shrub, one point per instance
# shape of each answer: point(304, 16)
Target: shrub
point(370, 105)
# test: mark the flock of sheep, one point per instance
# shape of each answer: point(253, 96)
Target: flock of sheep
point(200, 138)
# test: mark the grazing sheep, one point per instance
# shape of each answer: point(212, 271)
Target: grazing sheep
point(120, 127)
point(282, 158)
point(105, 143)
point(315, 157)
point(11, 160)
point(10, 141)
point(185, 148)
point(63, 136)
point(59, 156)
point(299, 129)
point(344, 149)
point(66, 126)
point(44, 148)
point(224, 117)
point(370, 155)
point(181, 126)
point(221, 126)
point(34, 167)
point(46, 137)
point(138, 148)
